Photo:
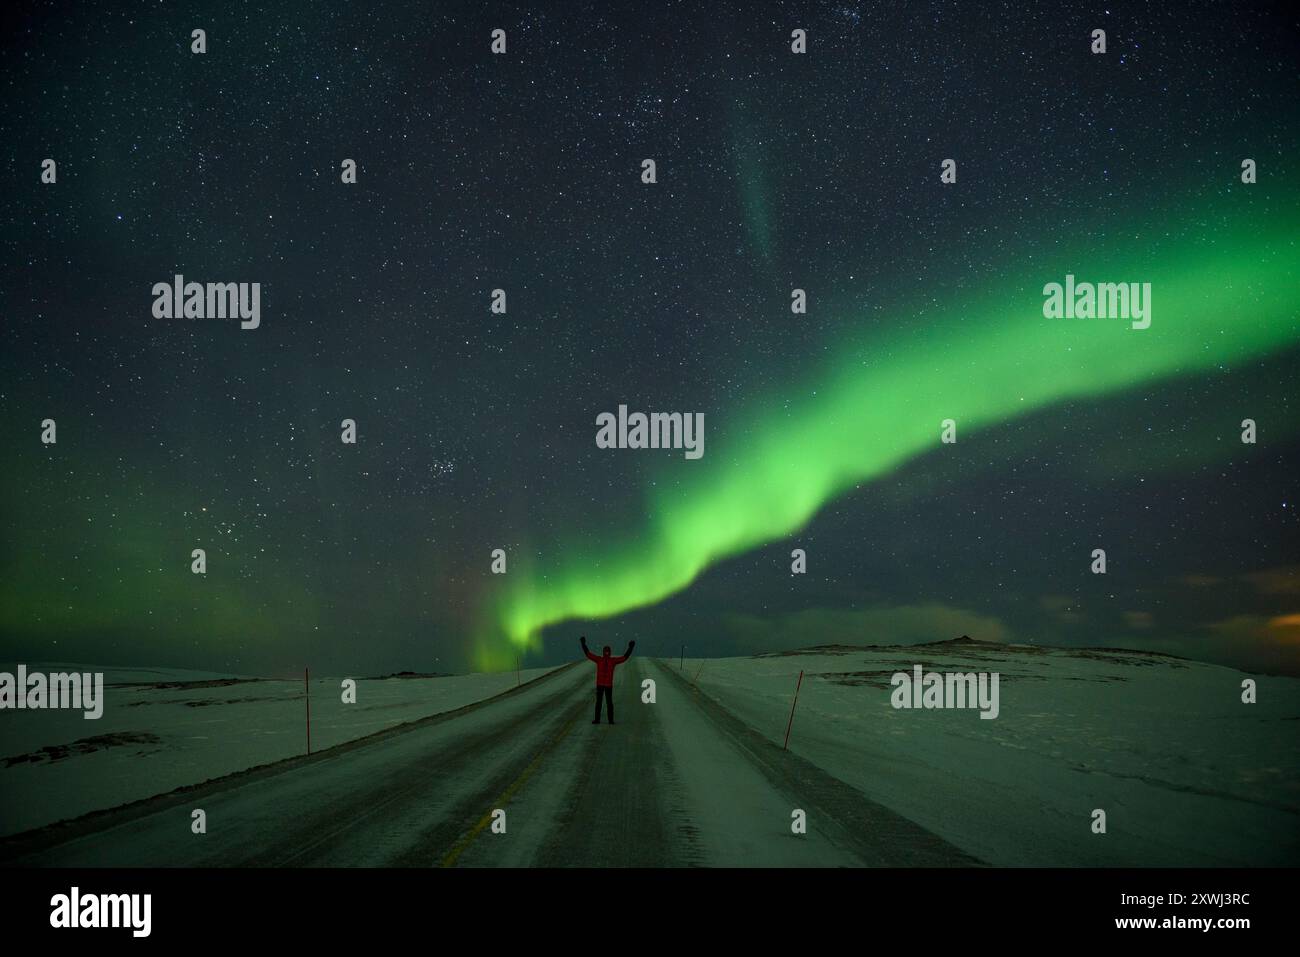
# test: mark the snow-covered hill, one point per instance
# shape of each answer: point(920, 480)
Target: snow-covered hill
point(1186, 773)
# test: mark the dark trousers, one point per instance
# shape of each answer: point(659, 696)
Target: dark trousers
point(608, 694)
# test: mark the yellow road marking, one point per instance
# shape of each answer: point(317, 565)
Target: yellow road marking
point(449, 860)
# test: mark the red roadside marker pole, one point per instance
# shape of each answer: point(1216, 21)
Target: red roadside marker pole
point(306, 684)
point(786, 746)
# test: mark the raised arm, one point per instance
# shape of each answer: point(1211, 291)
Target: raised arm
point(587, 651)
point(627, 654)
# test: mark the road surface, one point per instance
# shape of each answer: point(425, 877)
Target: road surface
point(680, 782)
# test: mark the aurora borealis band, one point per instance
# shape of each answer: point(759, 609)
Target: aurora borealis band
point(883, 402)
point(476, 429)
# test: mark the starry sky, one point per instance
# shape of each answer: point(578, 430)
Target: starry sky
point(476, 431)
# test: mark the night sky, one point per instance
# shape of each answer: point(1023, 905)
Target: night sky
point(476, 431)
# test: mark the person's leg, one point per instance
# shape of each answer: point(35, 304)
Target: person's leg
point(609, 704)
point(597, 718)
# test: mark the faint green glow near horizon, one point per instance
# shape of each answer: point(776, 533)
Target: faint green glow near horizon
point(1216, 299)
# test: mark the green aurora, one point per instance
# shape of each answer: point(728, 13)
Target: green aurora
point(1223, 292)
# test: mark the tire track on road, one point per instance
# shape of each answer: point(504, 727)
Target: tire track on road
point(415, 794)
point(621, 808)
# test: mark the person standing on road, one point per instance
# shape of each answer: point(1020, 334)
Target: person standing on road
point(605, 676)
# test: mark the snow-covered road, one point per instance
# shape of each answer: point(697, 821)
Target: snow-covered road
point(676, 782)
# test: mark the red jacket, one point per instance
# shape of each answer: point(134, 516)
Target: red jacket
point(605, 665)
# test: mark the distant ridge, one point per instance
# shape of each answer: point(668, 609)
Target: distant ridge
point(413, 674)
point(967, 642)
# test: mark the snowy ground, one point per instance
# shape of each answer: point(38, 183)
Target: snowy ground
point(675, 783)
point(1187, 773)
point(164, 728)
